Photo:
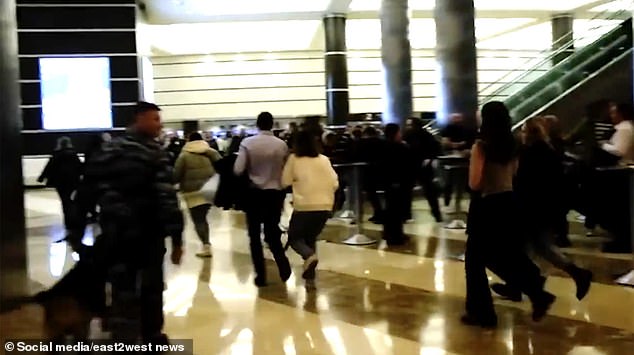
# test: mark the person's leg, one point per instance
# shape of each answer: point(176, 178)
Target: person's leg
point(479, 304)
point(308, 226)
point(297, 234)
point(431, 193)
point(152, 304)
point(449, 185)
point(65, 198)
point(254, 226)
point(199, 218)
point(395, 205)
point(543, 246)
point(373, 197)
point(272, 233)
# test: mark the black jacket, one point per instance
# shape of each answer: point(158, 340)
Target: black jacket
point(398, 164)
point(232, 189)
point(540, 184)
point(422, 144)
point(131, 181)
point(63, 170)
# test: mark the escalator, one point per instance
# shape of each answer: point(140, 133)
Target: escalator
point(600, 62)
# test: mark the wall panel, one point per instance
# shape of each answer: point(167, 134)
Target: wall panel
point(75, 28)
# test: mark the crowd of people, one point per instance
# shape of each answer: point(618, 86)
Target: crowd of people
point(519, 200)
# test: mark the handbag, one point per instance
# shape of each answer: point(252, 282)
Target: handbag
point(210, 188)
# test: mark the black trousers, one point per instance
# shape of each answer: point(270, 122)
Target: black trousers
point(425, 178)
point(65, 193)
point(199, 218)
point(137, 301)
point(396, 199)
point(263, 211)
point(494, 244)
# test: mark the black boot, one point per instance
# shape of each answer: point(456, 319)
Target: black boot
point(541, 305)
point(582, 278)
point(507, 292)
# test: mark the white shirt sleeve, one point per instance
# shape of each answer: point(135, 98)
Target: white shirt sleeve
point(620, 141)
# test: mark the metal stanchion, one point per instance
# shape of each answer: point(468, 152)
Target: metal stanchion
point(628, 279)
point(357, 238)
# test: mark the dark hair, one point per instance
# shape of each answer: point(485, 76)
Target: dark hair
point(195, 136)
point(143, 107)
point(626, 111)
point(417, 123)
point(370, 132)
point(500, 145)
point(391, 130)
point(265, 121)
point(305, 145)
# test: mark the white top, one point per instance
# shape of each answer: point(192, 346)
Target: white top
point(314, 182)
point(262, 157)
point(622, 142)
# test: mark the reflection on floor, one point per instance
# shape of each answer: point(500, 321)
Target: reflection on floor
point(373, 300)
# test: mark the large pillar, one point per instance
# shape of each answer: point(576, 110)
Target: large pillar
point(456, 57)
point(562, 36)
point(13, 261)
point(397, 62)
point(336, 69)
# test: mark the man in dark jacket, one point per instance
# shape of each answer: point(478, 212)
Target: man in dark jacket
point(425, 148)
point(63, 172)
point(130, 179)
point(370, 149)
point(396, 162)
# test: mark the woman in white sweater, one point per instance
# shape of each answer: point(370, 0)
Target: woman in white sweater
point(314, 183)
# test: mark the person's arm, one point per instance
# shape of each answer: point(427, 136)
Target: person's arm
point(169, 210)
point(47, 169)
point(215, 156)
point(476, 166)
point(241, 162)
point(620, 142)
point(179, 168)
point(287, 173)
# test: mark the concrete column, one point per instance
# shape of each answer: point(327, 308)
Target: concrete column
point(397, 62)
point(13, 261)
point(456, 58)
point(337, 98)
point(562, 36)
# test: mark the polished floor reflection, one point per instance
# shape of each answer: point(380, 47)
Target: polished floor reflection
point(369, 300)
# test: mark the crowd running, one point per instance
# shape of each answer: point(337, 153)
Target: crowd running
point(522, 186)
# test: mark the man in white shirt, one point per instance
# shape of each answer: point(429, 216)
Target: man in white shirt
point(262, 157)
point(621, 143)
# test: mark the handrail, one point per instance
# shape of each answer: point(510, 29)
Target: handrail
point(589, 77)
point(552, 54)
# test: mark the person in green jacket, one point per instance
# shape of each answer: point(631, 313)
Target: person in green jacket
point(193, 169)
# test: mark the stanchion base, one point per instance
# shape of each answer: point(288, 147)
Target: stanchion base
point(626, 280)
point(347, 214)
point(456, 224)
point(359, 239)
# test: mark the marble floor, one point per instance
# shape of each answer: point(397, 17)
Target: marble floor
point(369, 300)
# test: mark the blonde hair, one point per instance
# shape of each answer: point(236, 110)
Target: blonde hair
point(534, 130)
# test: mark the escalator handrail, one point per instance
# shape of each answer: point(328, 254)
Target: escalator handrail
point(552, 54)
point(521, 122)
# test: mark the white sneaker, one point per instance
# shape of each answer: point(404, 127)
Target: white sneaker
point(310, 265)
point(205, 251)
